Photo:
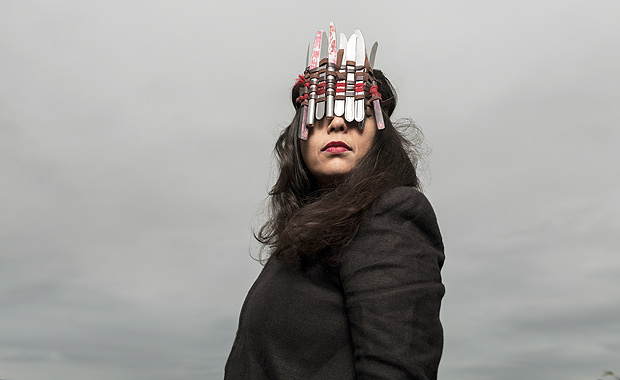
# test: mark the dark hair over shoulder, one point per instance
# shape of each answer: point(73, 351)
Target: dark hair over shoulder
point(311, 223)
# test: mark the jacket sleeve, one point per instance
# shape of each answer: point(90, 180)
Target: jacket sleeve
point(391, 280)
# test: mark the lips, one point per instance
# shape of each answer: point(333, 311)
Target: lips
point(336, 147)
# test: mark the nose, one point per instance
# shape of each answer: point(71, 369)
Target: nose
point(338, 124)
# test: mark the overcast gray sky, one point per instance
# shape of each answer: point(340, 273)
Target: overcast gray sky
point(135, 152)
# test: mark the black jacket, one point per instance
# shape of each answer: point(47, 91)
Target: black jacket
point(374, 317)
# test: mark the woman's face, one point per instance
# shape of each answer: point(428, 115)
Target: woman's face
point(335, 146)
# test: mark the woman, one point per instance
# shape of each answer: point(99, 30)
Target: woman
point(352, 286)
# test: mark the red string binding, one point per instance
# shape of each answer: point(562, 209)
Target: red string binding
point(301, 98)
point(300, 80)
point(374, 91)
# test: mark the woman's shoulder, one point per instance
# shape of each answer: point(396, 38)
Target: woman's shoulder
point(403, 209)
point(404, 200)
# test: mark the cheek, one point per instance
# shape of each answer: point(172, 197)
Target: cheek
point(366, 141)
point(305, 153)
point(309, 148)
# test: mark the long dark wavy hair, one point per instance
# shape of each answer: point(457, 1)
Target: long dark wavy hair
point(307, 222)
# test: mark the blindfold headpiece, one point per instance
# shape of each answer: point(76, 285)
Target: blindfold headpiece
point(338, 81)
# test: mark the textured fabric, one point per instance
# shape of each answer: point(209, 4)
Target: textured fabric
point(374, 317)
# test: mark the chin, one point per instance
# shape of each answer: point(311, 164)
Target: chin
point(334, 174)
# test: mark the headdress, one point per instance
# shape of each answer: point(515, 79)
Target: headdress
point(338, 82)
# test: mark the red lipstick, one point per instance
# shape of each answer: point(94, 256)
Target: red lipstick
point(336, 147)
